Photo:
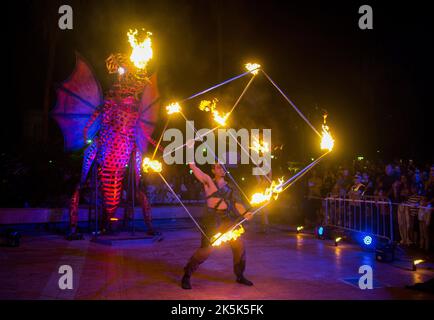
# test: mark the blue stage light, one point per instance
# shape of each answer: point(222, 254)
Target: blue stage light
point(320, 231)
point(367, 240)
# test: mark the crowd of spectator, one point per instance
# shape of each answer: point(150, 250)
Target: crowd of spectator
point(185, 185)
point(408, 187)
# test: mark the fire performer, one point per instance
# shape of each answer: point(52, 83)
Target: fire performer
point(223, 206)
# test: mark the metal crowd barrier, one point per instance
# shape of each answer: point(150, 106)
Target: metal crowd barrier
point(369, 214)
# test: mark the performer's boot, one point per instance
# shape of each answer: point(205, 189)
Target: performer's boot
point(239, 272)
point(191, 267)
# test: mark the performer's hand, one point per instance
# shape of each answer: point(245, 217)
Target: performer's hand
point(248, 215)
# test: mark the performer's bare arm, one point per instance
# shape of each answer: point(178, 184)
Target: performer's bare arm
point(243, 211)
point(199, 174)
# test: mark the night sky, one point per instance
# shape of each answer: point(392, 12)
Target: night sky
point(376, 85)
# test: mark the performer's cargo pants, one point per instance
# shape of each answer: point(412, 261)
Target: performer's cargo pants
point(202, 253)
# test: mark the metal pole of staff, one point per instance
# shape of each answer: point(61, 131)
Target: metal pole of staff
point(291, 103)
point(217, 85)
point(287, 183)
point(185, 208)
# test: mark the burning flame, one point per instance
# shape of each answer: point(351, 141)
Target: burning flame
point(327, 141)
point(207, 106)
point(174, 107)
point(416, 262)
point(141, 51)
point(253, 67)
point(218, 239)
point(211, 106)
point(220, 119)
point(272, 191)
point(151, 165)
point(260, 147)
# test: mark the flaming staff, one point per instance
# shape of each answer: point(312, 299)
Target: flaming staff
point(252, 67)
point(211, 106)
point(282, 187)
point(220, 238)
point(271, 192)
point(201, 93)
point(260, 147)
point(327, 141)
point(172, 108)
point(149, 165)
point(275, 188)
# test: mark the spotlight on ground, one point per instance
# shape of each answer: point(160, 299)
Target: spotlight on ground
point(416, 262)
point(320, 232)
point(299, 229)
point(367, 240)
point(337, 240)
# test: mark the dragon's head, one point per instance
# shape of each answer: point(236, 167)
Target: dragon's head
point(132, 68)
point(137, 62)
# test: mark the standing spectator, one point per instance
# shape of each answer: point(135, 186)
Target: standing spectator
point(343, 183)
point(413, 202)
point(379, 189)
point(327, 183)
point(404, 189)
point(357, 190)
point(314, 184)
point(429, 193)
point(403, 223)
point(369, 185)
point(388, 179)
point(417, 181)
point(424, 217)
point(429, 186)
point(403, 210)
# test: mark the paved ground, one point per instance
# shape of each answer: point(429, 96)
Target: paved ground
point(282, 265)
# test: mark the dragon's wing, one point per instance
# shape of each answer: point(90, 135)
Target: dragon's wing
point(78, 97)
point(149, 109)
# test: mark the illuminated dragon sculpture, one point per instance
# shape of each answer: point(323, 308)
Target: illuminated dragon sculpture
point(112, 129)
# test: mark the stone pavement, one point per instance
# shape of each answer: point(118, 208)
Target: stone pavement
point(282, 265)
